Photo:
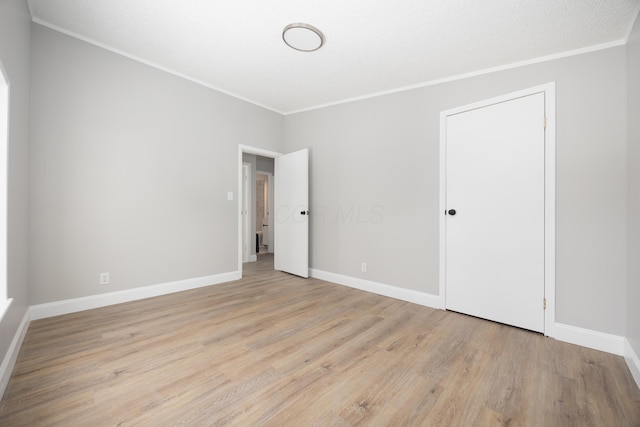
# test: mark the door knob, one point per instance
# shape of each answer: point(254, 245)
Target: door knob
point(452, 212)
point(304, 213)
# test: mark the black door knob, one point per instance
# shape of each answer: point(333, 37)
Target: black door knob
point(452, 212)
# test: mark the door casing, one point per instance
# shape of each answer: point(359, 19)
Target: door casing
point(273, 196)
point(549, 196)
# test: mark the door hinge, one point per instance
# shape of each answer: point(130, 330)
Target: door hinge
point(545, 122)
point(544, 303)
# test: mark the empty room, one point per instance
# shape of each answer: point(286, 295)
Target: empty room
point(254, 213)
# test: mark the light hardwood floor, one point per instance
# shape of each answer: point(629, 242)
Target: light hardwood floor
point(276, 350)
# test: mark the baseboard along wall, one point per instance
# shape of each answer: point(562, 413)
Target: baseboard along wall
point(9, 361)
point(41, 311)
point(403, 294)
point(633, 361)
point(588, 338)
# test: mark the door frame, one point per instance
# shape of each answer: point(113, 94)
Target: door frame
point(549, 194)
point(248, 150)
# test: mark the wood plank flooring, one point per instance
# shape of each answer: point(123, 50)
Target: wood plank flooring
point(277, 350)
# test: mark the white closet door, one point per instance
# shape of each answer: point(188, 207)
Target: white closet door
point(495, 159)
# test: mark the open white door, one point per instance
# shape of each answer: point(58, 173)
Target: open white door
point(291, 213)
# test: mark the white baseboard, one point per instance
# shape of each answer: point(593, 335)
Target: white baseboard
point(633, 361)
point(589, 338)
point(409, 295)
point(57, 308)
point(9, 361)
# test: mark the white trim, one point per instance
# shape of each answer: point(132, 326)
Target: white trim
point(547, 87)
point(633, 361)
point(442, 206)
point(468, 75)
point(408, 295)
point(9, 361)
point(150, 64)
point(5, 132)
point(550, 209)
point(4, 307)
point(590, 338)
point(550, 196)
point(58, 308)
point(253, 258)
point(258, 152)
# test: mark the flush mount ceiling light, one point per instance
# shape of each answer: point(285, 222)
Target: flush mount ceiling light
point(303, 37)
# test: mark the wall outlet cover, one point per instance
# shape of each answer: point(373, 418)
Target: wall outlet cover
point(104, 278)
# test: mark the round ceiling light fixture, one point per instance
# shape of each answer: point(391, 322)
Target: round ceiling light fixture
point(303, 37)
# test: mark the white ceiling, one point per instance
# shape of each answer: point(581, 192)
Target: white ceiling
point(372, 46)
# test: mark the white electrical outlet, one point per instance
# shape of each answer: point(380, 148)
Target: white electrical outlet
point(363, 267)
point(104, 278)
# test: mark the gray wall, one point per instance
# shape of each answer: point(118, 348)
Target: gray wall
point(633, 91)
point(265, 164)
point(14, 54)
point(130, 169)
point(374, 182)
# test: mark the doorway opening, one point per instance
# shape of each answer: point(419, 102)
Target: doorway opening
point(257, 197)
point(289, 212)
point(256, 192)
point(264, 206)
